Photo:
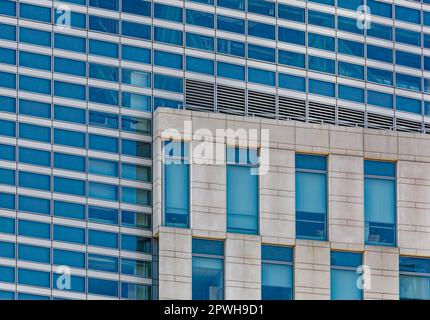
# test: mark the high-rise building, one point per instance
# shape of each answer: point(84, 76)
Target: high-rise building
point(214, 149)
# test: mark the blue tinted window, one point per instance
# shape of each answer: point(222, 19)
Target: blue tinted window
point(292, 59)
point(168, 36)
point(7, 128)
point(103, 120)
point(69, 234)
point(34, 108)
point(136, 78)
point(230, 24)
point(232, 71)
point(102, 143)
point(136, 30)
point(69, 138)
point(380, 99)
point(167, 59)
point(69, 210)
point(136, 148)
point(350, 47)
point(33, 156)
point(34, 60)
point(380, 202)
point(232, 4)
point(291, 13)
point(134, 243)
point(69, 186)
point(33, 36)
point(103, 48)
point(7, 224)
point(344, 276)
point(321, 64)
point(200, 65)
point(199, 41)
point(103, 167)
point(34, 132)
point(168, 83)
point(350, 70)
point(135, 196)
point(321, 19)
point(103, 215)
point(408, 37)
point(380, 31)
point(200, 18)
point(70, 66)
point(34, 229)
point(103, 287)
point(69, 90)
point(7, 80)
point(350, 93)
point(102, 239)
point(261, 30)
point(70, 43)
point(291, 82)
point(7, 104)
point(7, 176)
point(7, 250)
point(408, 59)
point(261, 53)
point(34, 253)
point(34, 278)
point(379, 76)
point(103, 191)
point(408, 82)
point(103, 96)
point(102, 263)
point(7, 32)
point(8, 8)
point(7, 201)
point(380, 8)
point(34, 181)
point(207, 271)
point(103, 72)
point(7, 56)
point(348, 25)
point(261, 7)
point(33, 84)
point(140, 7)
point(166, 12)
point(230, 47)
point(136, 101)
point(70, 258)
point(103, 24)
point(69, 162)
point(321, 88)
point(69, 114)
point(408, 14)
point(408, 105)
point(7, 152)
point(28, 11)
point(136, 54)
point(261, 76)
point(105, 4)
point(321, 42)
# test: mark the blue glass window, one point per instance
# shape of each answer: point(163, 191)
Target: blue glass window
point(102, 239)
point(408, 105)
point(291, 82)
point(261, 30)
point(7, 56)
point(408, 59)
point(34, 278)
point(70, 258)
point(8, 8)
point(136, 220)
point(199, 18)
point(36, 85)
point(176, 184)
point(380, 53)
point(311, 197)
point(69, 210)
point(168, 83)
point(378, 8)
point(7, 225)
point(33, 156)
point(261, 76)
point(7, 250)
point(166, 12)
point(136, 244)
point(7, 176)
point(168, 36)
point(380, 99)
point(266, 8)
point(103, 120)
point(322, 88)
point(232, 71)
point(136, 196)
point(348, 25)
point(380, 202)
point(69, 114)
point(7, 128)
point(350, 70)
point(135, 101)
point(105, 4)
point(103, 287)
point(103, 191)
point(261, 53)
point(7, 104)
point(168, 59)
point(292, 13)
point(103, 96)
point(70, 43)
point(320, 19)
point(33, 36)
point(321, 42)
point(103, 215)
point(380, 76)
point(34, 132)
point(7, 274)
point(198, 41)
point(414, 278)
point(408, 14)
point(32, 12)
point(276, 273)
point(408, 37)
point(7, 152)
point(292, 59)
point(321, 64)
point(230, 47)
point(34, 253)
point(242, 191)
point(291, 36)
point(69, 90)
point(200, 65)
point(136, 148)
point(34, 229)
point(34, 181)
point(70, 66)
point(408, 82)
point(103, 48)
point(34, 108)
point(136, 78)
point(140, 7)
point(350, 93)
point(35, 205)
point(136, 30)
point(380, 31)
point(232, 4)
point(136, 268)
point(230, 24)
point(207, 270)
point(34, 60)
point(69, 138)
point(69, 186)
point(136, 54)
point(349, 47)
point(7, 80)
point(7, 32)
point(102, 263)
point(344, 276)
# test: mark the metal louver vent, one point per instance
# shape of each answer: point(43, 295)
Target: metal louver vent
point(231, 100)
point(199, 95)
point(261, 104)
point(408, 125)
point(322, 113)
point(427, 128)
point(378, 121)
point(293, 109)
point(350, 118)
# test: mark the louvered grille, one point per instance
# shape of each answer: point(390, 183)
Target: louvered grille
point(378, 121)
point(350, 118)
point(321, 113)
point(407, 125)
point(293, 109)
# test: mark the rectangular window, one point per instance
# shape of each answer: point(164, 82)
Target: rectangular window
point(345, 276)
point(380, 202)
point(242, 190)
point(276, 273)
point(207, 270)
point(311, 197)
point(176, 184)
point(414, 278)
